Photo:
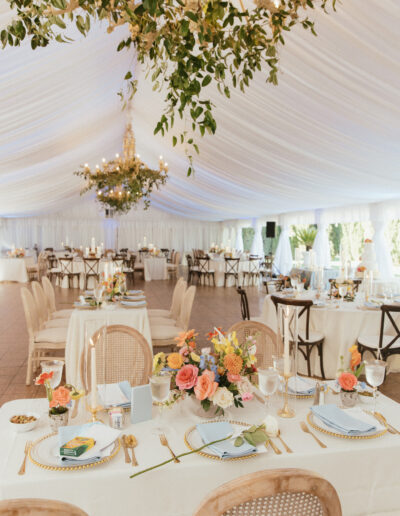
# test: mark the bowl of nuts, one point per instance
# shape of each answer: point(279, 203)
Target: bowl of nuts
point(24, 422)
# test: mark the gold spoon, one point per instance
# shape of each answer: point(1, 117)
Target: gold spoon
point(283, 442)
point(305, 429)
point(273, 446)
point(131, 442)
point(125, 447)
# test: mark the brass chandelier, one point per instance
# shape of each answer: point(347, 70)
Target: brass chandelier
point(124, 181)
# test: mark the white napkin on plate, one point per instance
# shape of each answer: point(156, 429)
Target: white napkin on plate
point(300, 385)
point(111, 394)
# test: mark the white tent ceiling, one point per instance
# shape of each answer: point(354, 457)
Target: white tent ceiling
point(328, 135)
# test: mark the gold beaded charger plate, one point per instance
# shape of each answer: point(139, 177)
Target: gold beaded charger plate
point(318, 425)
point(193, 441)
point(43, 454)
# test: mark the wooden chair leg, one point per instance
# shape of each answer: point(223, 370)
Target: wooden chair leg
point(29, 369)
point(309, 349)
point(321, 360)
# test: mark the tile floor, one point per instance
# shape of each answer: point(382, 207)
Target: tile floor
point(212, 307)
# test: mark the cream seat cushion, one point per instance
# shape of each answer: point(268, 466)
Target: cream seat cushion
point(313, 336)
point(52, 335)
point(57, 323)
point(162, 321)
point(165, 332)
point(158, 312)
point(62, 314)
point(372, 341)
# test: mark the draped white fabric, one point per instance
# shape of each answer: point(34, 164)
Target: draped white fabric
point(283, 260)
point(382, 249)
point(326, 136)
point(257, 247)
point(321, 247)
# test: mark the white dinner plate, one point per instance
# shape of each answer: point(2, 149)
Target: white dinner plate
point(317, 424)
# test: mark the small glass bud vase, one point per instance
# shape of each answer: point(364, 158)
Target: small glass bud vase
point(348, 398)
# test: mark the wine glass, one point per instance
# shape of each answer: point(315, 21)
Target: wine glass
point(342, 291)
point(388, 295)
point(55, 366)
point(375, 374)
point(98, 293)
point(300, 287)
point(160, 388)
point(294, 280)
point(268, 380)
point(122, 288)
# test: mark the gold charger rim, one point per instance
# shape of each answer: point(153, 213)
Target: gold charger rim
point(341, 436)
point(209, 455)
point(117, 447)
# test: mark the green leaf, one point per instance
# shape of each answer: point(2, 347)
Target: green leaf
point(128, 76)
point(238, 441)
point(174, 141)
point(206, 81)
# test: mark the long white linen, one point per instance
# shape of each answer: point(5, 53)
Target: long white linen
point(363, 472)
point(341, 327)
point(155, 268)
point(316, 140)
point(84, 323)
point(283, 260)
point(14, 269)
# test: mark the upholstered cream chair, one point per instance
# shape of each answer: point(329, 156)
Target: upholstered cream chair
point(38, 507)
point(39, 340)
point(170, 316)
point(277, 492)
point(51, 301)
point(43, 311)
point(174, 266)
point(163, 336)
point(40, 268)
point(266, 340)
point(122, 353)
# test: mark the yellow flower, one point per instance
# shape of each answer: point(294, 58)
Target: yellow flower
point(158, 362)
point(75, 395)
point(253, 359)
point(194, 357)
point(175, 360)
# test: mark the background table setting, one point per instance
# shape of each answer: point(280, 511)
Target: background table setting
point(14, 269)
point(155, 268)
point(341, 322)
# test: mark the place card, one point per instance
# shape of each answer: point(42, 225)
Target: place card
point(141, 403)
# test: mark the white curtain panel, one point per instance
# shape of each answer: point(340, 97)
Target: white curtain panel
point(321, 247)
point(257, 247)
point(283, 261)
point(382, 248)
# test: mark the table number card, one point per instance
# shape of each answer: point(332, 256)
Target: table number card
point(141, 403)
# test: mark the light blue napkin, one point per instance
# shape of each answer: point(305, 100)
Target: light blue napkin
point(133, 303)
point(300, 385)
point(337, 419)
point(134, 298)
point(226, 449)
point(134, 292)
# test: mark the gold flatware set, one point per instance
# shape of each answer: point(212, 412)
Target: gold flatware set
point(23, 465)
point(129, 442)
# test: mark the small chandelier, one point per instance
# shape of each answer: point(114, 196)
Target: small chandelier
point(123, 182)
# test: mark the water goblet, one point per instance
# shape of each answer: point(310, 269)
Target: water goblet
point(160, 389)
point(375, 375)
point(300, 287)
point(342, 291)
point(56, 367)
point(268, 380)
point(98, 293)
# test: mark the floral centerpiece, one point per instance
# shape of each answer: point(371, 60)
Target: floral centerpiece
point(348, 379)
point(16, 253)
point(59, 399)
point(218, 378)
point(217, 250)
point(113, 284)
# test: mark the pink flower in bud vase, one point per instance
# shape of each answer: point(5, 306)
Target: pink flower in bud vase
point(186, 377)
point(247, 396)
point(185, 353)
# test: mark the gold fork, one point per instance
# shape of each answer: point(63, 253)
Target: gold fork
point(305, 429)
point(164, 442)
point(22, 468)
point(273, 446)
point(391, 428)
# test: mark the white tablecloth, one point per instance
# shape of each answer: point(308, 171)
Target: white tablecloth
point(155, 268)
point(14, 269)
point(341, 327)
point(364, 472)
point(218, 265)
point(87, 322)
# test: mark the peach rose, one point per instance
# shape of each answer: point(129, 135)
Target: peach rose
point(61, 396)
point(234, 377)
point(206, 386)
point(174, 360)
point(186, 377)
point(347, 381)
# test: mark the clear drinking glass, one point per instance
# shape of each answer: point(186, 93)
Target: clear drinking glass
point(98, 293)
point(122, 288)
point(375, 375)
point(300, 287)
point(160, 388)
point(388, 295)
point(55, 366)
point(268, 381)
point(342, 291)
point(294, 280)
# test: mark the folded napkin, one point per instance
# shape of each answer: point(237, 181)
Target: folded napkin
point(134, 292)
point(115, 394)
point(134, 298)
point(89, 292)
point(103, 435)
point(300, 385)
point(134, 303)
point(82, 302)
point(352, 421)
point(226, 449)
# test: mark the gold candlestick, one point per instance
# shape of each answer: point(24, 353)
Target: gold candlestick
point(93, 411)
point(286, 411)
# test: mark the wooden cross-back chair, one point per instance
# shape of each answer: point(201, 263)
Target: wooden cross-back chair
point(91, 266)
point(277, 492)
point(205, 273)
point(122, 353)
point(382, 344)
point(231, 269)
point(307, 340)
point(67, 269)
point(244, 304)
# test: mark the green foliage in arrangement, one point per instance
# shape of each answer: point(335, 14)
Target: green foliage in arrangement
point(304, 236)
point(186, 45)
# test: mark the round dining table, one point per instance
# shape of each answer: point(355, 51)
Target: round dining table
point(340, 322)
point(14, 269)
